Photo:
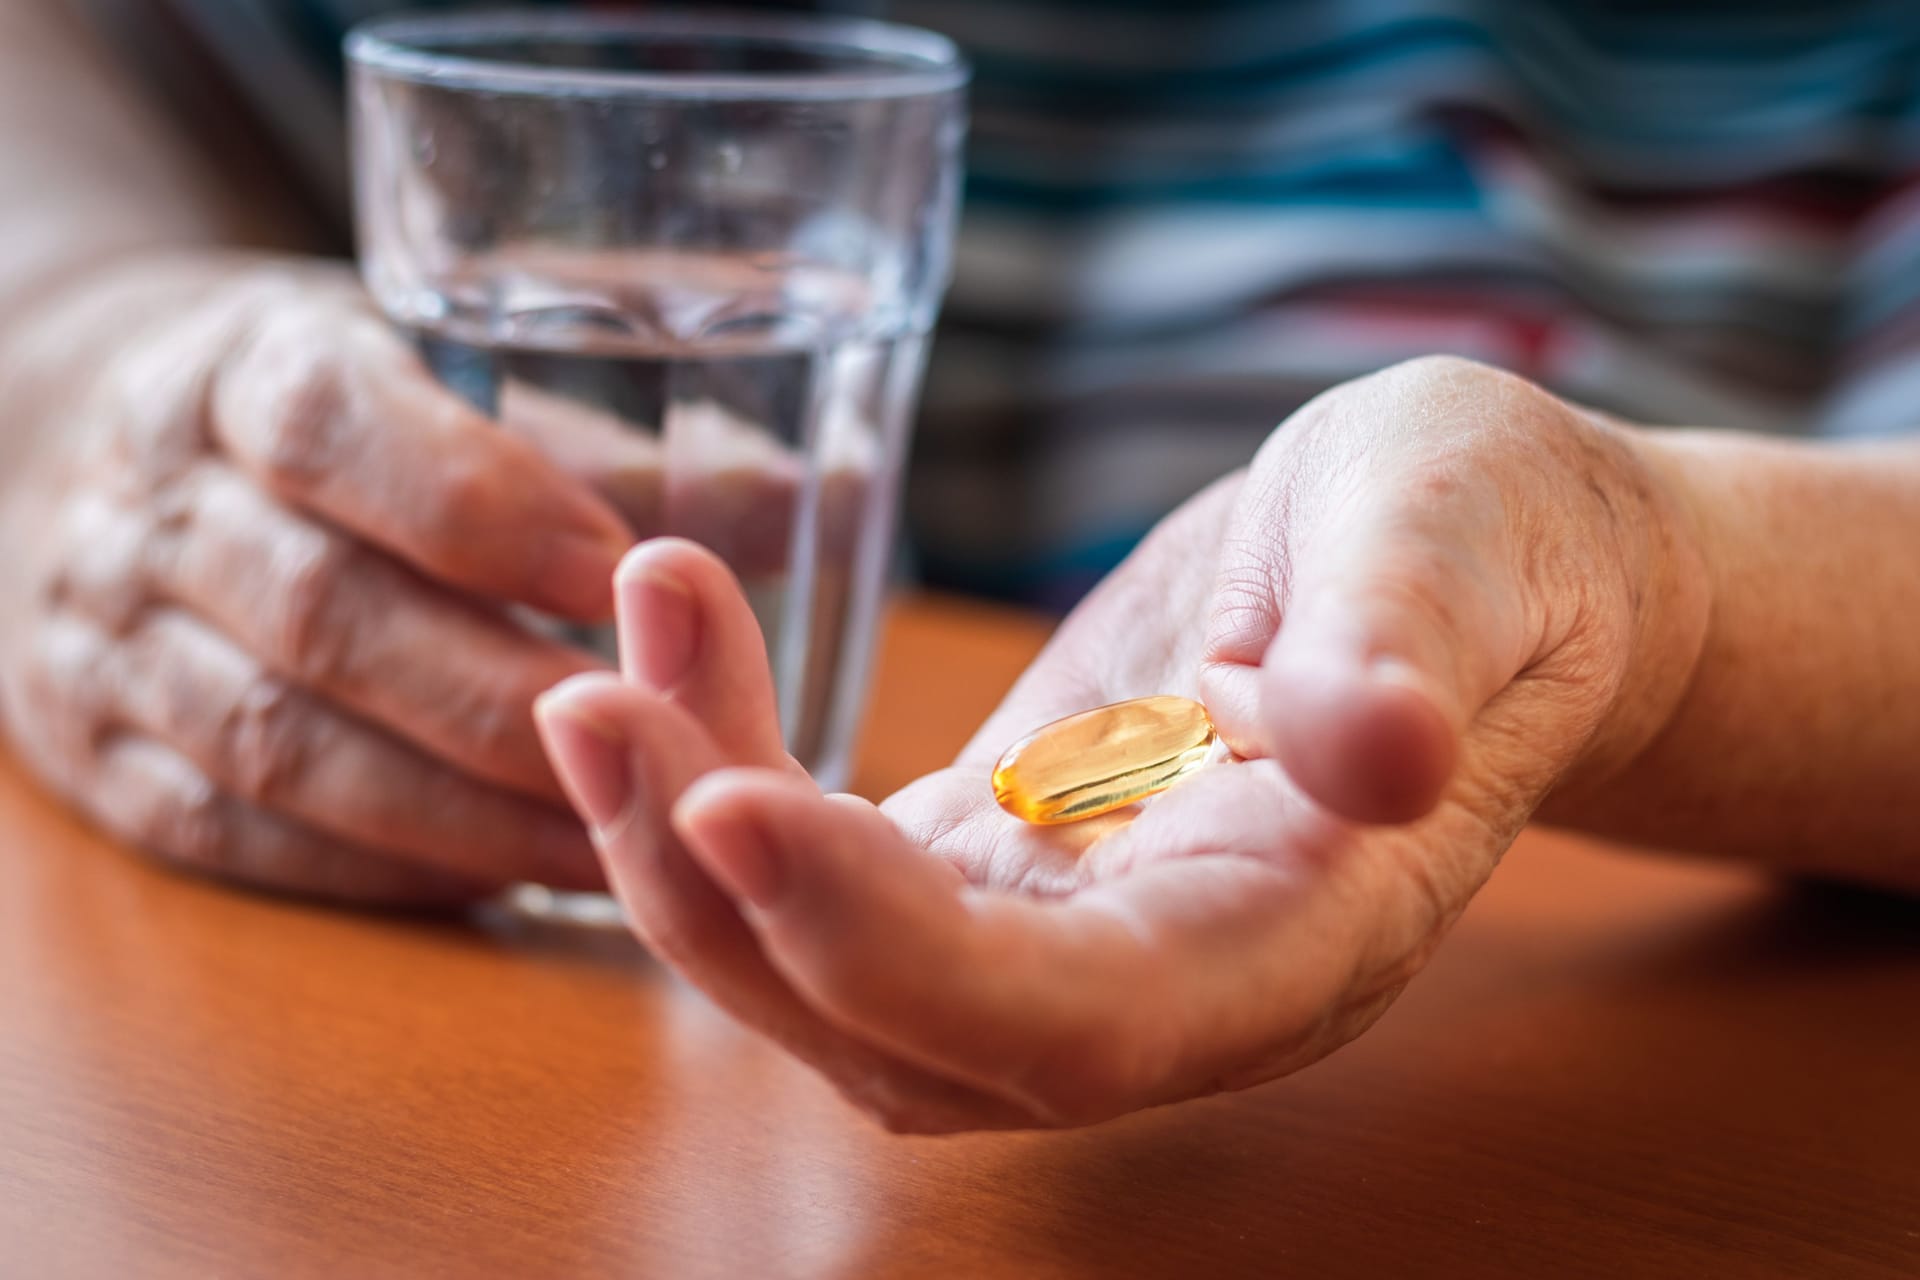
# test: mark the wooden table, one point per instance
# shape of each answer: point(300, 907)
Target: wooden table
point(1617, 1066)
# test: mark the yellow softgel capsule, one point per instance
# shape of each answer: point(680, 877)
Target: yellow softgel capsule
point(1097, 761)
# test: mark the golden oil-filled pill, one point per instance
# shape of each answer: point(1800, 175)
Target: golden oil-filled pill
point(1100, 760)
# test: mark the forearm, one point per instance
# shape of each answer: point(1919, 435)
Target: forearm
point(1797, 738)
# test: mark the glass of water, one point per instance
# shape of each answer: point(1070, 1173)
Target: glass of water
point(695, 257)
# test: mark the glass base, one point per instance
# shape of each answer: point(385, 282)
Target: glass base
point(576, 910)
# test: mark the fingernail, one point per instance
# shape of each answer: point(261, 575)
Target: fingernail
point(591, 758)
point(659, 611)
point(743, 864)
point(575, 575)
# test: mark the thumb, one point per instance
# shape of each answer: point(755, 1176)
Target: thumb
point(1397, 629)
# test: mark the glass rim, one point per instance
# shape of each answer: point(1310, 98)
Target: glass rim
point(402, 46)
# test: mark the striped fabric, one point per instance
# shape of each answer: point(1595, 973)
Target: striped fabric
point(1187, 216)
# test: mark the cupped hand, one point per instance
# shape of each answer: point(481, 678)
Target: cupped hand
point(252, 610)
point(1437, 594)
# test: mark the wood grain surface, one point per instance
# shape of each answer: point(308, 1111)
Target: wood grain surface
point(1617, 1066)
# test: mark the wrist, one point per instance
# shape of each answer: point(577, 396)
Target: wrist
point(1664, 525)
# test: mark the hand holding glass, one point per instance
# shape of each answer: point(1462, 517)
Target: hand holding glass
point(696, 258)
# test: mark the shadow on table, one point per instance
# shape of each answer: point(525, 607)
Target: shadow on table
point(1624, 1107)
point(1793, 928)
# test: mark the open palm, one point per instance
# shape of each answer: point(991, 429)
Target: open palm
point(948, 966)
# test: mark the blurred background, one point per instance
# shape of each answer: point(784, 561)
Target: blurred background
point(1185, 217)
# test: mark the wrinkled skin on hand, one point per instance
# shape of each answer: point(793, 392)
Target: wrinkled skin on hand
point(1436, 594)
point(253, 615)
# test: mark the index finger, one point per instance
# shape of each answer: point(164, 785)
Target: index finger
point(329, 410)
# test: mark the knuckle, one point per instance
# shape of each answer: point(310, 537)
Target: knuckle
point(156, 395)
point(309, 617)
point(262, 739)
point(289, 394)
point(1437, 405)
point(1451, 374)
point(300, 430)
point(190, 824)
point(101, 560)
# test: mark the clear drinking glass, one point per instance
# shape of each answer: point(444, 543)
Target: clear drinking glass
point(695, 257)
